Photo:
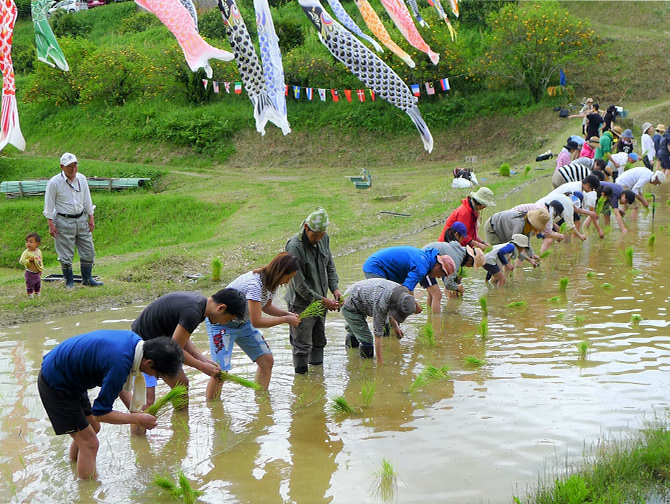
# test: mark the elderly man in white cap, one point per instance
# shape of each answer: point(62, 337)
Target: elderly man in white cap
point(69, 210)
point(384, 301)
point(635, 179)
point(315, 277)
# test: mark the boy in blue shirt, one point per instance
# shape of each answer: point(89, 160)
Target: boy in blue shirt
point(108, 359)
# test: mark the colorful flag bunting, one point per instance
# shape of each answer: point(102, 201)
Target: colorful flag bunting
point(296, 92)
point(444, 83)
point(416, 91)
point(286, 90)
point(309, 93)
point(322, 94)
point(430, 89)
point(361, 95)
point(238, 88)
point(335, 95)
point(347, 93)
point(215, 85)
point(227, 86)
point(372, 94)
point(205, 82)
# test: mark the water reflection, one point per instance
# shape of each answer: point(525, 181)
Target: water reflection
point(477, 436)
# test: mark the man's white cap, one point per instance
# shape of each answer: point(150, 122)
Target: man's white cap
point(67, 159)
point(658, 176)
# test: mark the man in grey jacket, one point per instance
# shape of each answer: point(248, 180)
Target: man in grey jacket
point(316, 276)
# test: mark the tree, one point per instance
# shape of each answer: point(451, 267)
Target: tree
point(529, 43)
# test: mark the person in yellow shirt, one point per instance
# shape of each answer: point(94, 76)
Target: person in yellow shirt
point(32, 260)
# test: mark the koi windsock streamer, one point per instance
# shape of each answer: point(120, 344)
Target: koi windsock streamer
point(415, 12)
point(350, 24)
point(250, 68)
point(273, 69)
point(178, 20)
point(440, 12)
point(190, 8)
point(45, 40)
point(366, 66)
point(403, 20)
point(10, 131)
point(377, 27)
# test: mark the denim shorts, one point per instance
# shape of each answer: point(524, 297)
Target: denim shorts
point(247, 337)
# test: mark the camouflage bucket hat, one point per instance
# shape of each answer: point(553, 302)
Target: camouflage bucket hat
point(317, 221)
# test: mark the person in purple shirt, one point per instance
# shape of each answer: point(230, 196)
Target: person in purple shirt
point(108, 359)
point(615, 195)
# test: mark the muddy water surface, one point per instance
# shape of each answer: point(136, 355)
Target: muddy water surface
point(483, 435)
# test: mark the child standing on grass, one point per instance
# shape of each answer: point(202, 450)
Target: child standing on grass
point(259, 287)
point(32, 260)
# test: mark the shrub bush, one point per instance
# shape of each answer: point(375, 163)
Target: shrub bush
point(290, 35)
point(138, 22)
point(210, 24)
point(64, 24)
point(504, 170)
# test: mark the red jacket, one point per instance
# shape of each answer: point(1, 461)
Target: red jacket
point(466, 214)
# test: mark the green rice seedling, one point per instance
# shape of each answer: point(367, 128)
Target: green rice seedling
point(183, 492)
point(178, 396)
point(368, 388)
point(629, 255)
point(387, 482)
point(544, 254)
point(607, 285)
point(463, 272)
point(527, 170)
point(634, 271)
point(590, 274)
point(559, 316)
point(504, 170)
point(436, 373)
point(555, 299)
point(315, 309)
point(418, 382)
point(516, 304)
point(635, 318)
point(652, 239)
point(562, 228)
point(428, 334)
point(340, 405)
point(217, 266)
point(563, 283)
point(225, 376)
point(167, 484)
point(484, 327)
point(483, 303)
point(583, 348)
point(474, 361)
point(579, 319)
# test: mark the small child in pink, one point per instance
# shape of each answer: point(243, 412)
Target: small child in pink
point(32, 260)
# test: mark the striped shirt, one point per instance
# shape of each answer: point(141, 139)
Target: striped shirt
point(371, 298)
point(574, 172)
point(251, 285)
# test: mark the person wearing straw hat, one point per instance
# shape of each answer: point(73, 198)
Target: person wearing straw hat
point(647, 145)
point(316, 276)
point(383, 300)
point(464, 257)
point(501, 226)
point(112, 360)
point(502, 256)
point(468, 213)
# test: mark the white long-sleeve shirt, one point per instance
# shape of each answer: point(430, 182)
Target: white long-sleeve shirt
point(65, 197)
point(648, 148)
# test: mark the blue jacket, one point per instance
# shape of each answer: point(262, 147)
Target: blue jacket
point(404, 265)
point(96, 359)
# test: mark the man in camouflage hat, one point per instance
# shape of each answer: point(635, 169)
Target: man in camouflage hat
point(316, 276)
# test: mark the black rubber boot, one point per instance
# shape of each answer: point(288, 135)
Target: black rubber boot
point(367, 350)
point(300, 364)
point(350, 340)
point(68, 276)
point(86, 278)
point(316, 356)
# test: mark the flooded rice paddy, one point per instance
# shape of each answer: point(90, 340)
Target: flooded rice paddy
point(484, 434)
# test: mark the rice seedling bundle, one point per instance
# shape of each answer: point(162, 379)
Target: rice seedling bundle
point(184, 491)
point(516, 304)
point(504, 170)
point(474, 361)
point(607, 285)
point(225, 376)
point(217, 266)
point(579, 319)
point(484, 305)
point(652, 239)
point(590, 274)
point(387, 482)
point(527, 169)
point(435, 373)
point(634, 271)
point(341, 405)
point(563, 283)
point(315, 309)
point(583, 348)
point(484, 327)
point(554, 299)
point(178, 396)
point(368, 388)
point(544, 254)
point(428, 334)
point(560, 316)
point(600, 205)
point(629, 256)
point(635, 318)
point(418, 382)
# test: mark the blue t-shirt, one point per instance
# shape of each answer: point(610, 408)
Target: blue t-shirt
point(96, 359)
point(404, 264)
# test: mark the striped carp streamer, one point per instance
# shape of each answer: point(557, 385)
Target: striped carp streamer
point(10, 131)
point(350, 24)
point(182, 25)
point(415, 12)
point(377, 28)
point(273, 68)
point(366, 66)
point(45, 40)
point(250, 68)
point(437, 5)
point(403, 20)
